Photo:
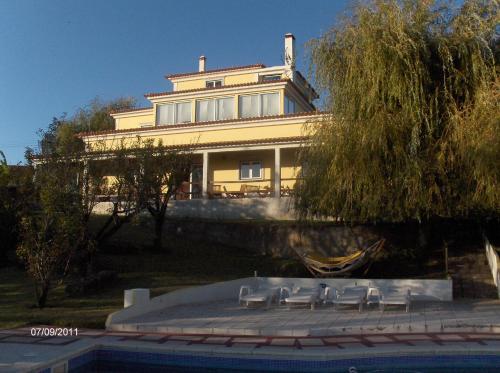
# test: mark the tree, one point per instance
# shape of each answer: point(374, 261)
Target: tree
point(160, 173)
point(51, 225)
point(412, 132)
point(61, 132)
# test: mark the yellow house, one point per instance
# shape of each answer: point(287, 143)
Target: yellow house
point(244, 125)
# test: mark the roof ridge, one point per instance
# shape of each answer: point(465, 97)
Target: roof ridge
point(230, 68)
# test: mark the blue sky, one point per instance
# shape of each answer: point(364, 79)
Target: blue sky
point(57, 55)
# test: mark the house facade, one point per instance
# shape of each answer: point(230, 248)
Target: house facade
point(243, 124)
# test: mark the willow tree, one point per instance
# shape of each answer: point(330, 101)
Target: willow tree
point(412, 130)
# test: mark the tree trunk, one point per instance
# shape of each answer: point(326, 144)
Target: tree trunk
point(42, 293)
point(158, 240)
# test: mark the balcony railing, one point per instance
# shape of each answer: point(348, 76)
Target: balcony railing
point(262, 188)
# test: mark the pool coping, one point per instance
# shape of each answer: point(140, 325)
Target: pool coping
point(449, 346)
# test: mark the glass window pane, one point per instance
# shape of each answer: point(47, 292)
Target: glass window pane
point(249, 106)
point(256, 170)
point(270, 104)
point(205, 110)
point(183, 112)
point(225, 108)
point(289, 105)
point(164, 114)
point(245, 171)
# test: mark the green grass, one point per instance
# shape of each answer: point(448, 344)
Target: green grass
point(185, 266)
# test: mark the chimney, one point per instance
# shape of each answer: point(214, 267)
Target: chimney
point(290, 51)
point(201, 63)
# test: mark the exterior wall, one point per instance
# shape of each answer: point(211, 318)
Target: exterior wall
point(224, 169)
point(190, 84)
point(238, 132)
point(182, 85)
point(134, 121)
point(240, 79)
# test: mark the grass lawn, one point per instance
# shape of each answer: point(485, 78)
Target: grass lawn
point(185, 266)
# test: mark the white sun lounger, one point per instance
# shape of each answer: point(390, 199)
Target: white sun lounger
point(267, 296)
point(354, 295)
point(395, 296)
point(300, 295)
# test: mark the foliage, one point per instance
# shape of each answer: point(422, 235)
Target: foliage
point(50, 226)
point(145, 176)
point(15, 187)
point(159, 174)
point(413, 124)
point(60, 138)
point(4, 170)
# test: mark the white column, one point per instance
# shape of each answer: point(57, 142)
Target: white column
point(277, 173)
point(204, 187)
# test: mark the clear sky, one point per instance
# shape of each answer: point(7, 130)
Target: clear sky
point(57, 55)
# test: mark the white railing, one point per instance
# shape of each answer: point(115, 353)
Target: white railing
point(493, 261)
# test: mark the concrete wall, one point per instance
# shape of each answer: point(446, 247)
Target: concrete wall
point(198, 294)
point(225, 209)
point(421, 290)
point(494, 262)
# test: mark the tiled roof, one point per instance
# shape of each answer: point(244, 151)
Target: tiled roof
point(168, 93)
point(241, 142)
point(195, 124)
point(219, 144)
point(246, 67)
point(129, 110)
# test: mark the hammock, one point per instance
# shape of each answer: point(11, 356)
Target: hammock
point(321, 266)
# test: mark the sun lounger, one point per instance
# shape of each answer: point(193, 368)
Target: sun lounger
point(267, 296)
point(395, 296)
point(299, 295)
point(329, 295)
point(354, 295)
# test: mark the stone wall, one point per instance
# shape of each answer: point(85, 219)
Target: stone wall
point(277, 239)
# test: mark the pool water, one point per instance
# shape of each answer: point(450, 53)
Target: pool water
point(111, 361)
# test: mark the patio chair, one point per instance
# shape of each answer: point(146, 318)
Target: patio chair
point(227, 194)
point(395, 296)
point(352, 295)
point(248, 295)
point(299, 295)
point(329, 295)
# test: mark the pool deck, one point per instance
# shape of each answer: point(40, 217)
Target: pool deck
point(231, 319)
point(466, 327)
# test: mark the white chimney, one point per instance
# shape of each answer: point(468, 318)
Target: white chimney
point(290, 51)
point(201, 63)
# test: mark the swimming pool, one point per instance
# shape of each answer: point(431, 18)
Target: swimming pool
point(109, 361)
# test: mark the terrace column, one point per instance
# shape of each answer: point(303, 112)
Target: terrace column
point(277, 173)
point(204, 186)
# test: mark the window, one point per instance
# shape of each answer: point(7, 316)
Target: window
point(259, 105)
point(270, 104)
point(165, 114)
point(179, 112)
point(213, 83)
point(249, 106)
point(289, 105)
point(250, 170)
point(215, 109)
point(225, 108)
point(183, 111)
point(270, 78)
